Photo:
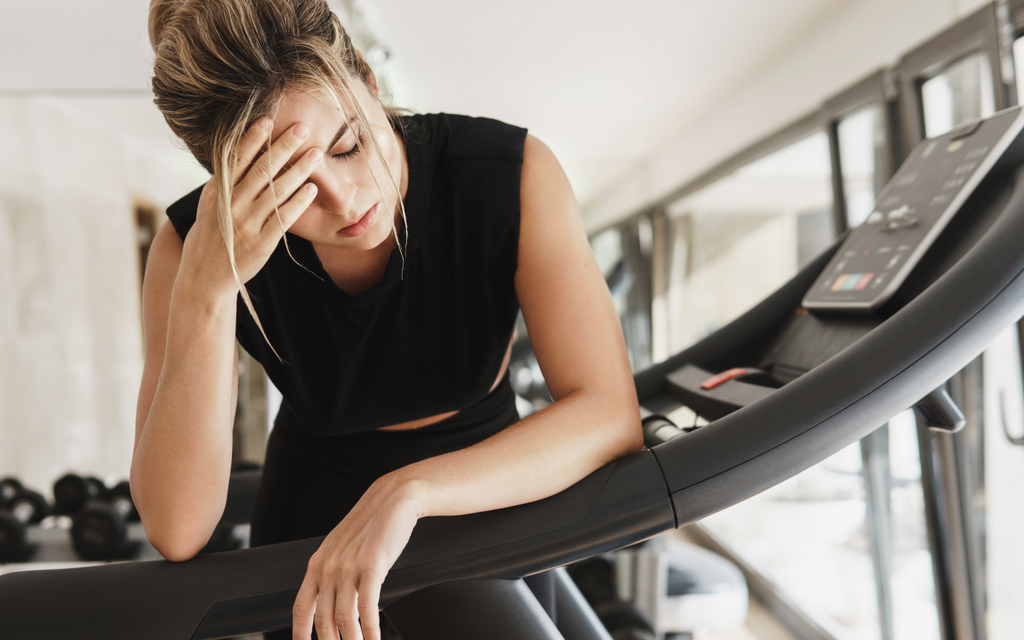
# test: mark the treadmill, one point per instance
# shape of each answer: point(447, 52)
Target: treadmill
point(875, 325)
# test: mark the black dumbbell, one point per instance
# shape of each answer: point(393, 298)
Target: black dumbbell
point(26, 507)
point(9, 489)
point(123, 490)
point(99, 529)
point(71, 492)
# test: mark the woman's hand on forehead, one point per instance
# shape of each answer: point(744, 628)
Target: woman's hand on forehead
point(262, 206)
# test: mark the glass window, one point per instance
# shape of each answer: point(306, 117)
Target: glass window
point(808, 536)
point(861, 140)
point(1004, 478)
point(915, 615)
point(959, 93)
point(1018, 65)
point(737, 240)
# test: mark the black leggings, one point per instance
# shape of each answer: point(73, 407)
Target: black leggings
point(310, 481)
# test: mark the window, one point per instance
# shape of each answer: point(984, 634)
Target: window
point(861, 139)
point(738, 239)
point(959, 93)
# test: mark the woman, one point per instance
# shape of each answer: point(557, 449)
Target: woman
point(374, 264)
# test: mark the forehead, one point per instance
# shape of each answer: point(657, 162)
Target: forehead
point(316, 109)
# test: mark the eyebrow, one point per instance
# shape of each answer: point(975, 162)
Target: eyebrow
point(337, 136)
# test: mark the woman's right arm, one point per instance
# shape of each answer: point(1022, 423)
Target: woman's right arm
point(183, 428)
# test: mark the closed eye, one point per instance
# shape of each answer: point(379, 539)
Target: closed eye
point(345, 155)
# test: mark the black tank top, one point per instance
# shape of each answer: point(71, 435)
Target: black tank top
point(417, 344)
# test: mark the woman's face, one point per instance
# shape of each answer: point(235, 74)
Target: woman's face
point(348, 211)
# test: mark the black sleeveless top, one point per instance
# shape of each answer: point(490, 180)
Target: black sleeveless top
point(417, 344)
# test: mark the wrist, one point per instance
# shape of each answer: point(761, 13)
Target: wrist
point(198, 293)
point(410, 493)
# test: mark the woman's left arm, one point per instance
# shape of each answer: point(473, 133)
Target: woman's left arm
point(576, 337)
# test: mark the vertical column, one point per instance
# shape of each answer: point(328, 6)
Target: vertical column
point(875, 458)
point(951, 468)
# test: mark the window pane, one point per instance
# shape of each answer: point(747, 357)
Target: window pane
point(737, 240)
point(861, 140)
point(915, 616)
point(1018, 65)
point(808, 536)
point(959, 93)
point(1004, 479)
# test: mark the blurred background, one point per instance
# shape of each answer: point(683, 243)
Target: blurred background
point(714, 148)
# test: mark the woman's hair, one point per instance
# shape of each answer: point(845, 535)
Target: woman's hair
point(223, 64)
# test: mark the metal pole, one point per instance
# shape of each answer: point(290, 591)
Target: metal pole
point(951, 468)
point(875, 460)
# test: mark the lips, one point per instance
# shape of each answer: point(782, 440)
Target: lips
point(360, 226)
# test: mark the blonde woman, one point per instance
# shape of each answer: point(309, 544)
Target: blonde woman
point(374, 263)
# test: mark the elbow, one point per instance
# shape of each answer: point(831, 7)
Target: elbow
point(626, 435)
point(174, 546)
point(631, 432)
point(176, 531)
point(177, 539)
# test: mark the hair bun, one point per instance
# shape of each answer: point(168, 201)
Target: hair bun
point(160, 13)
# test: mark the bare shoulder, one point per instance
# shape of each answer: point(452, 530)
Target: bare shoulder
point(551, 228)
point(166, 243)
point(543, 175)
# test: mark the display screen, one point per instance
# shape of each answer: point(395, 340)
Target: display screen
point(913, 208)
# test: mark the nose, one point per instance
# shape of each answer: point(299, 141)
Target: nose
point(336, 193)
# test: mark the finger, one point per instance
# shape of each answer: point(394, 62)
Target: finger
point(254, 139)
point(286, 184)
point(346, 614)
point(269, 163)
point(303, 610)
point(323, 619)
point(369, 610)
point(280, 221)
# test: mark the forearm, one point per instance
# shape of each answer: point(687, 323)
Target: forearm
point(532, 459)
point(182, 456)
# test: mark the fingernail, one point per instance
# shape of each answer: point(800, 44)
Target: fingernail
point(300, 131)
point(310, 188)
point(315, 155)
point(263, 124)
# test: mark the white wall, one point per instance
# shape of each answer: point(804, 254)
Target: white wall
point(853, 42)
point(70, 323)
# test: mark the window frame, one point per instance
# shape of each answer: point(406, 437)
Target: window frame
point(978, 32)
point(878, 89)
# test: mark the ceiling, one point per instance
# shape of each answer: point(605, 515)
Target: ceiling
point(603, 83)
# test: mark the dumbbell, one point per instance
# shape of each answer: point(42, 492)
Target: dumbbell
point(24, 508)
point(71, 492)
point(9, 489)
point(99, 529)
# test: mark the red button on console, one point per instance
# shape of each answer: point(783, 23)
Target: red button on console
point(723, 377)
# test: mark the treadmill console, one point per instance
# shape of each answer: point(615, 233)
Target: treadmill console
point(912, 210)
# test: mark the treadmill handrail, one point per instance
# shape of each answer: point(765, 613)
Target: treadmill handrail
point(849, 396)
